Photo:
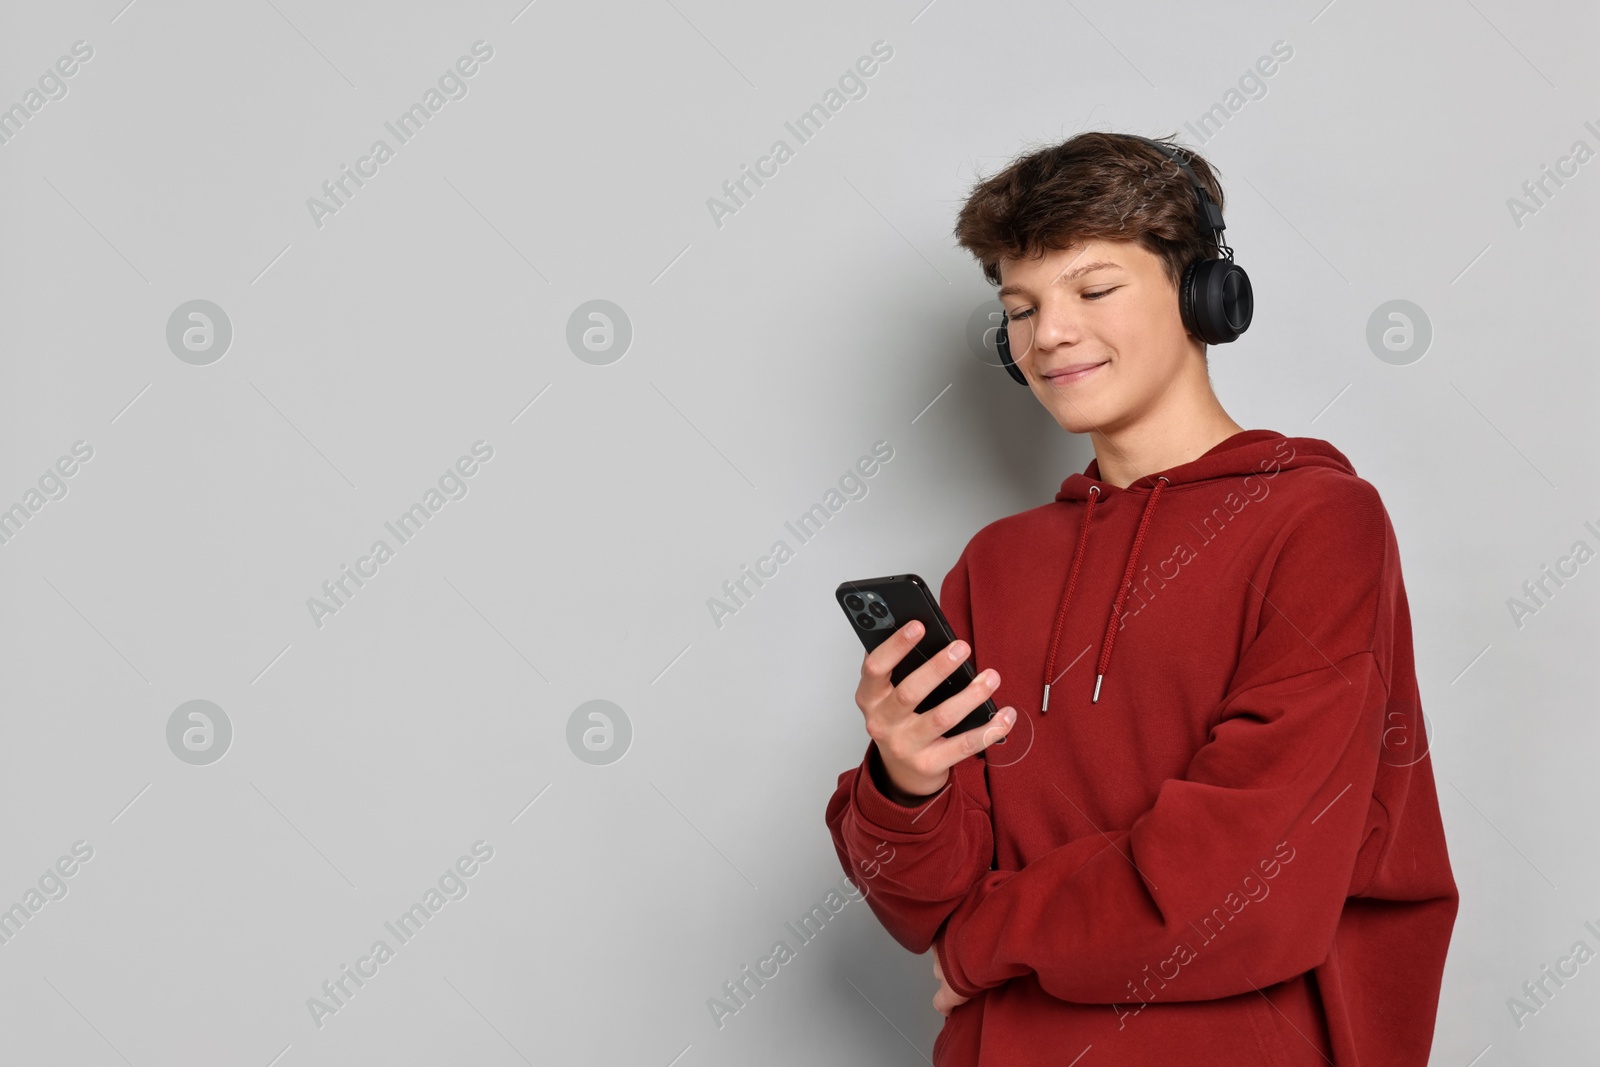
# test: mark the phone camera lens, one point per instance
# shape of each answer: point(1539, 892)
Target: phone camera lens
point(864, 621)
point(878, 609)
point(853, 602)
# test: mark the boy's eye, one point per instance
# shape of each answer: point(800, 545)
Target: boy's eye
point(1016, 316)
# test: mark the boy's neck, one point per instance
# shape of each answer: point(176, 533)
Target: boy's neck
point(1183, 430)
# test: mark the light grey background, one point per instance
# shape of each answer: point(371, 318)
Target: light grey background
point(767, 355)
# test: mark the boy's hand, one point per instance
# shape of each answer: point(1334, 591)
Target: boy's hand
point(945, 1000)
point(915, 756)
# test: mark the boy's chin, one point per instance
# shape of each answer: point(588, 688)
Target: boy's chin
point(1078, 417)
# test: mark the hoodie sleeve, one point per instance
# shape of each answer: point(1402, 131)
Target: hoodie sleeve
point(1236, 877)
point(916, 864)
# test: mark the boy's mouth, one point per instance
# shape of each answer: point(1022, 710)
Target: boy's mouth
point(1072, 372)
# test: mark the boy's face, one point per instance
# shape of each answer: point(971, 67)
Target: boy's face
point(1103, 303)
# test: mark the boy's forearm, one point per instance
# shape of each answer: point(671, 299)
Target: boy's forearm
point(914, 863)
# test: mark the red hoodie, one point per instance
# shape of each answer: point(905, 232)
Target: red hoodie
point(1219, 842)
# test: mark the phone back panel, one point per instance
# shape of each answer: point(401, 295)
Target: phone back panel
point(889, 603)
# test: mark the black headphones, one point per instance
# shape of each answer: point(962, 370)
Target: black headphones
point(1214, 297)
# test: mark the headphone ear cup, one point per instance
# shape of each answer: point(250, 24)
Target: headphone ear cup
point(1217, 302)
point(1002, 342)
point(1186, 300)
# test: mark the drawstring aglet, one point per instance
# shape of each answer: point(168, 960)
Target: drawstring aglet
point(1096, 698)
point(1045, 707)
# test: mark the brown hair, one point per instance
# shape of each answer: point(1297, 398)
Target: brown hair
point(1094, 186)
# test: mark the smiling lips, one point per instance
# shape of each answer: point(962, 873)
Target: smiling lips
point(1072, 372)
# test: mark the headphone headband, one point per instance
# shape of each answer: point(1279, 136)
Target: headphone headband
point(1207, 212)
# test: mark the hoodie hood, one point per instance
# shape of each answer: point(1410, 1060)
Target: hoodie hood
point(1259, 453)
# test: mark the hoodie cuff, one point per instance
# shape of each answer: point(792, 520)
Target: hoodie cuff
point(948, 942)
point(888, 815)
point(952, 975)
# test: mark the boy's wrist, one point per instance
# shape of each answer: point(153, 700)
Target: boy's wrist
point(887, 786)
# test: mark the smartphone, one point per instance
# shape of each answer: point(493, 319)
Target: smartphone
point(877, 607)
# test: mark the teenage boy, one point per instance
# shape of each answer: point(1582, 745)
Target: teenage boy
point(1220, 844)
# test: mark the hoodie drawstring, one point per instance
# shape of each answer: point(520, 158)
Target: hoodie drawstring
point(1066, 596)
point(1109, 639)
